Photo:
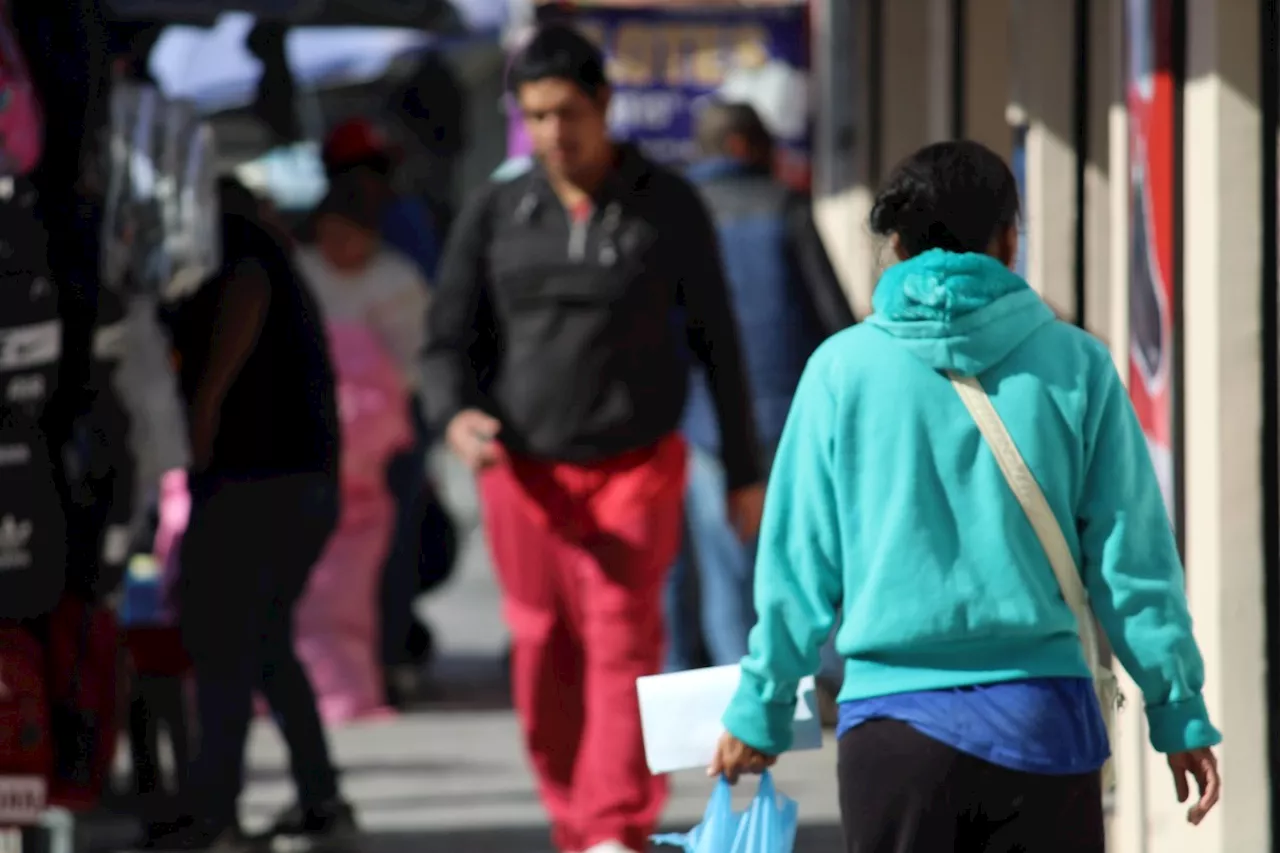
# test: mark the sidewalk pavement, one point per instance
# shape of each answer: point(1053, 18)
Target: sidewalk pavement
point(451, 776)
point(456, 781)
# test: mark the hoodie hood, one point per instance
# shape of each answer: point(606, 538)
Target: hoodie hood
point(957, 312)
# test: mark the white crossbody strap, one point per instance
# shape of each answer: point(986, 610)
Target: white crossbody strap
point(1039, 513)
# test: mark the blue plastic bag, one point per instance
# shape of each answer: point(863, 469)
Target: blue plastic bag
point(767, 826)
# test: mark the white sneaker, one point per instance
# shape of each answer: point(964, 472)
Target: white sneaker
point(611, 847)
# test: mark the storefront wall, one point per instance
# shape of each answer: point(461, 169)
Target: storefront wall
point(1018, 52)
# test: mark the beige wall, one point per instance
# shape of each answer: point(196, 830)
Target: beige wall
point(1043, 51)
point(1222, 275)
point(988, 74)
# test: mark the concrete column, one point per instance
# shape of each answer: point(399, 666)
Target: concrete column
point(939, 68)
point(916, 95)
point(915, 109)
point(1043, 62)
point(1105, 89)
point(987, 70)
point(1222, 331)
point(1128, 827)
point(1117, 331)
point(843, 185)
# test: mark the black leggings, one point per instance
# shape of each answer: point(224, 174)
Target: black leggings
point(903, 792)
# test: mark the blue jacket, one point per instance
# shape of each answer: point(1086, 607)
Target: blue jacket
point(785, 294)
point(886, 503)
point(409, 227)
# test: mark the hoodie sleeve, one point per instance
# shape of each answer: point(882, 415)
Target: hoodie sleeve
point(1134, 574)
point(798, 572)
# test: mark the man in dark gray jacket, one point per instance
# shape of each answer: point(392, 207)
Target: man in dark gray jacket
point(568, 301)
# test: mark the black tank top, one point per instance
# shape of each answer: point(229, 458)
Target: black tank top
point(280, 414)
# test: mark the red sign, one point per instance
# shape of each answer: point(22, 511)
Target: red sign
point(1150, 96)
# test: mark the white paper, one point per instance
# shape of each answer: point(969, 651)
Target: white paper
point(680, 714)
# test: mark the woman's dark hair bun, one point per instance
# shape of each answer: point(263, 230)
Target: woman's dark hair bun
point(954, 196)
point(896, 202)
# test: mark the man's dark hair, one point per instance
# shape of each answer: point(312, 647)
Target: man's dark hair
point(955, 196)
point(559, 52)
point(349, 199)
point(718, 121)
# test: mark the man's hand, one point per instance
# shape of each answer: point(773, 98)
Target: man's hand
point(746, 506)
point(472, 435)
point(1202, 765)
point(733, 758)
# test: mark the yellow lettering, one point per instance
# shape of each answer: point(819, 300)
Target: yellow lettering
point(706, 64)
point(667, 39)
point(633, 57)
point(749, 45)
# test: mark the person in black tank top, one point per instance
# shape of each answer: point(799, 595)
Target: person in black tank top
point(255, 371)
point(277, 414)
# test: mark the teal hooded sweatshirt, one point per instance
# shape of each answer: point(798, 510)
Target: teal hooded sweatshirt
point(886, 504)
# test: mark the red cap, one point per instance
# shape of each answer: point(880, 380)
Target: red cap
point(354, 140)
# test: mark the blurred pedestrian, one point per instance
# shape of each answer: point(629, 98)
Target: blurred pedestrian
point(254, 370)
point(375, 306)
point(787, 300)
point(356, 150)
point(969, 716)
point(356, 277)
point(585, 280)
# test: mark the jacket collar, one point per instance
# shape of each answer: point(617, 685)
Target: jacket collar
point(631, 171)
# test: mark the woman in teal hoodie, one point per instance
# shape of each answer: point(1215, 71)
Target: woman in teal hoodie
point(968, 717)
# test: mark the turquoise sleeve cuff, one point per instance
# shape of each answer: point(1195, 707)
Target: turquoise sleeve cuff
point(762, 725)
point(1180, 726)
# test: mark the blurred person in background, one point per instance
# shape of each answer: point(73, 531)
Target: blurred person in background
point(356, 150)
point(585, 281)
point(369, 290)
point(787, 300)
point(255, 373)
point(356, 277)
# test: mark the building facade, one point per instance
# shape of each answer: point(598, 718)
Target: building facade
point(1146, 135)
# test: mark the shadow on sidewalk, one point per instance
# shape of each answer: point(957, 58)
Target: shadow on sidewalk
point(810, 839)
point(460, 683)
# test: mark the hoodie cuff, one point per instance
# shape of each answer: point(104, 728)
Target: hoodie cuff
point(1181, 726)
point(761, 725)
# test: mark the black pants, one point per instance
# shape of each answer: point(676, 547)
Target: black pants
point(903, 792)
point(247, 554)
point(406, 482)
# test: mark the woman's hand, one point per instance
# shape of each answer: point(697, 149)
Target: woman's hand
point(1202, 765)
point(733, 758)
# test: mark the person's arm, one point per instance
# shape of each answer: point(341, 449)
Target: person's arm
point(237, 323)
point(713, 336)
point(1133, 572)
point(798, 579)
point(448, 373)
point(822, 286)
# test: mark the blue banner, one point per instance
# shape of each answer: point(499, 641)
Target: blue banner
point(664, 63)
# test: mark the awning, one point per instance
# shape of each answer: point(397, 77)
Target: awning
point(434, 15)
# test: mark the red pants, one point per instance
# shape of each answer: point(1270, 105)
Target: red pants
point(582, 553)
